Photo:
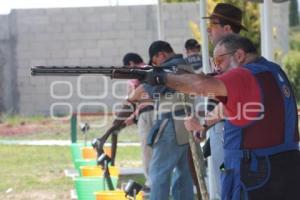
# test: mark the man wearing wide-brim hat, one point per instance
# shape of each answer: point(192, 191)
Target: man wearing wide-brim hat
point(228, 18)
point(225, 19)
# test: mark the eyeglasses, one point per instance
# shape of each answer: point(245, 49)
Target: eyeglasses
point(211, 24)
point(218, 59)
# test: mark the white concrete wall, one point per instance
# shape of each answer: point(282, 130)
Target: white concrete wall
point(86, 36)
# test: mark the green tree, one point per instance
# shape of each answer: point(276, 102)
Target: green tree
point(294, 15)
point(295, 38)
point(291, 64)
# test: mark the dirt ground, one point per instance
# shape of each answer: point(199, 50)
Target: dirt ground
point(31, 195)
point(47, 128)
point(9, 130)
point(24, 128)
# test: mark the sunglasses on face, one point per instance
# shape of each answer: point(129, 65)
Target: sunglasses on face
point(219, 58)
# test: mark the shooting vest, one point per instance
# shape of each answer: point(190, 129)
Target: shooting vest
point(174, 107)
point(170, 105)
point(247, 149)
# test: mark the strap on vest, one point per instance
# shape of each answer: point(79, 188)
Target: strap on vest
point(248, 154)
point(254, 153)
point(175, 113)
point(146, 109)
point(154, 130)
point(153, 133)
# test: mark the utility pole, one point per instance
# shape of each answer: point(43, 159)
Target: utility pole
point(267, 30)
point(160, 24)
point(204, 37)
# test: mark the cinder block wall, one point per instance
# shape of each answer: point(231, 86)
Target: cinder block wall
point(79, 36)
point(84, 36)
point(9, 93)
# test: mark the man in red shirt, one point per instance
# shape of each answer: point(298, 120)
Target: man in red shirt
point(261, 138)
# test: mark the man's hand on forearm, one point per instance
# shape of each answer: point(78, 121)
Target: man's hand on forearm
point(157, 76)
point(192, 124)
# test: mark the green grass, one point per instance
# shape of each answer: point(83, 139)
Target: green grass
point(62, 132)
point(128, 154)
point(37, 172)
point(17, 119)
point(29, 170)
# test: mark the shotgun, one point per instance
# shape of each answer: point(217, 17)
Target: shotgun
point(112, 72)
point(117, 125)
point(122, 73)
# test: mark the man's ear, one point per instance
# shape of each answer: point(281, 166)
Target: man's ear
point(240, 55)
point(162, 54)
point(131, 64)
point(227, 29)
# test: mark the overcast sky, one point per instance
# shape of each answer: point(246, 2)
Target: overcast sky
point(6, 5)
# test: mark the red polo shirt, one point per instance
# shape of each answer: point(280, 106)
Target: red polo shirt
point(243, 101)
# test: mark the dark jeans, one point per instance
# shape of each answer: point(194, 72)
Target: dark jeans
point(284, 182)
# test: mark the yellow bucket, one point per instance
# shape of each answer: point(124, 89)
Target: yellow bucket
point(87, 186)
point(97, 171)
point(90, 152)
point(115, 195)
point(107, 151)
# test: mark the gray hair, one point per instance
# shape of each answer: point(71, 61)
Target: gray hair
point(233, 42)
